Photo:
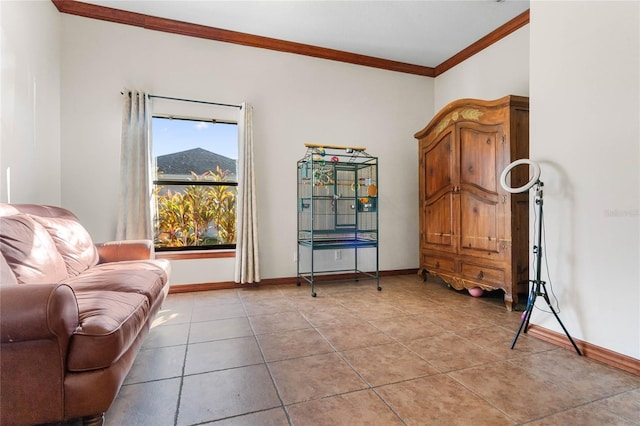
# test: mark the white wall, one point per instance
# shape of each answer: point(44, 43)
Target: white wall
point(30, 109)
point(296, 99)
point(499, 70)
point(585, 95)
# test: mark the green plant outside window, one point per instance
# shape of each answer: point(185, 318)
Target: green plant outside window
point(194, 209)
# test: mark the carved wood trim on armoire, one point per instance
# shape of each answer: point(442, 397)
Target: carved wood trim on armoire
point(473, 233)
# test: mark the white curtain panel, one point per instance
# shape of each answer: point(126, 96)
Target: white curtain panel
point(247, 263)
point(134, 212)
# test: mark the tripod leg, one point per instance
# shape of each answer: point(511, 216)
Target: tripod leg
point(546, 298)
point(526, 315)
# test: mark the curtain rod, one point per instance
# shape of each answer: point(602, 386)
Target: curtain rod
point(195, 101)
point(192, 100)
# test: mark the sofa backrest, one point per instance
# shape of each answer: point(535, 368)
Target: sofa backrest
point(7, 277)
point(36, 210)
point(44, 244)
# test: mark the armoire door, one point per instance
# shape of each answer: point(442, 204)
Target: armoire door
point(482, 230)
point(439, 203)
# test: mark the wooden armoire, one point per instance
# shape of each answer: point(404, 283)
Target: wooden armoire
point(473, 233)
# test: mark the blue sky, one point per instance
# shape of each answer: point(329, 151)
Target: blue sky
point(180, 135)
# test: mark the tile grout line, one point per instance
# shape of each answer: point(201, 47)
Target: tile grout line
point(370, 386)
point(266, 364)
point(184, 366)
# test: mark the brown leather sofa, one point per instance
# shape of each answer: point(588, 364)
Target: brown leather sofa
point(73, 315)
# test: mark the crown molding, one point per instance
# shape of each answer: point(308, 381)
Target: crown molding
point(104, 13)
point(486, 41)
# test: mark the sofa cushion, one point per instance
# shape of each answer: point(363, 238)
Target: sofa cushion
point(146, 277)
point(110, 322)
point(72, 241)
point(30, 251)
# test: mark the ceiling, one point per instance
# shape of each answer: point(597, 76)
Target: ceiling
point(425, 33)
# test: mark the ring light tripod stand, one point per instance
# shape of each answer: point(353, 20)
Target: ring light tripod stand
point(539, 287)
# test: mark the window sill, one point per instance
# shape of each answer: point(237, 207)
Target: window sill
point(196, 254)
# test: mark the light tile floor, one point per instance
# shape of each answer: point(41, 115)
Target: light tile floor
point(416, 353)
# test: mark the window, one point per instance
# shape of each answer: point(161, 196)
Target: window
point(194, 183)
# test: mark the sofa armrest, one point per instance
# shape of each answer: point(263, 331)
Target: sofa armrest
point(38, 312)
point(117, 251)
point(36, 325)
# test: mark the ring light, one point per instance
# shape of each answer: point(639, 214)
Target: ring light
point(536, 176)
point(539, 287)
